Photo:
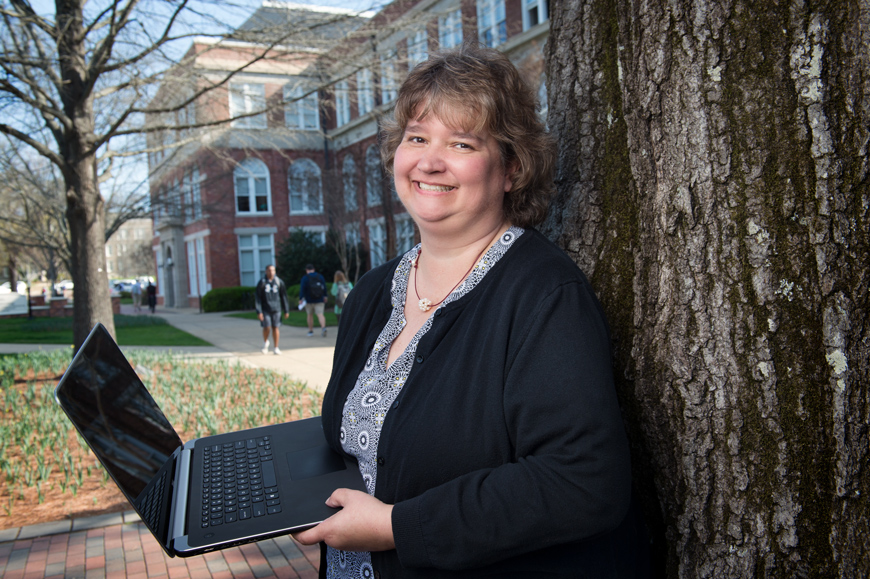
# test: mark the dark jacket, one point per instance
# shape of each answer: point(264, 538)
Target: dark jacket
point(270, 297)
point(305, 288)
point(505, 451)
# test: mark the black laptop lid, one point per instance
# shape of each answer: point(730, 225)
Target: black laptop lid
point(113, 411)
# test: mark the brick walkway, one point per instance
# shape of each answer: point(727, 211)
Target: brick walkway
point(130, 551)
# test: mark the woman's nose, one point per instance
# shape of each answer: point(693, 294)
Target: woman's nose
point(431, 160)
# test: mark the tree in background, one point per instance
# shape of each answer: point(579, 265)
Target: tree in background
point(713, 183)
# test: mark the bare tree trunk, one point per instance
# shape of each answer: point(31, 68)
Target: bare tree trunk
point(713, 182)
point(85, 213)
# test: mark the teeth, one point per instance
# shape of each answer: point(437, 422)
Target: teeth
point(439, 188)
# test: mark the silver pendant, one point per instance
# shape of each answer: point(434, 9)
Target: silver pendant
point(425, 304)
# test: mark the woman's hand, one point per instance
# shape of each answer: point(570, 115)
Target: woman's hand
point(363, 524)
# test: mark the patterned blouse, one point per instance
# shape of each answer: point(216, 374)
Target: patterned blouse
point(378, 386)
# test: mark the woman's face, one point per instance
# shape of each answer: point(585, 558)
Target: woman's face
point(450, 180)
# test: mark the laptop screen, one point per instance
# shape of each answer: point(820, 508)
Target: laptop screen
point(113, 410)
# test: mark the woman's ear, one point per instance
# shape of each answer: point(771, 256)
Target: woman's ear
point(510, 173)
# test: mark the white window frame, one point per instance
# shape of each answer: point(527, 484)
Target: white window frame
point(342, 103)
point(309, 206)
point(389, 84)
point(418, 47)
point(251, 170)
point(404, 233)
point(352, 236)
point(301, 112)
point(450, 29)
point(531, 5)
point(192, 279)
point(245, 98)
point(491, 22)
point(319, 231)
point(374, 177)
point(201, 265)
point(348, 183)
point(365, 91)
point(256, 248)
point(377, 241)
point(196, 192)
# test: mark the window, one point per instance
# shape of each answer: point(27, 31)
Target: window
point(304, 185)
point(192, 280)
point(255, 253)
point(301, 112)
point(374, 177)
point(389, 86)
point(252, 188)
point(450, 29)
point(196, 193)
point(348, 177)
point(491, 22)
point(377, 241)
point(342, 104)
point(246, 98)
point(365, 94)
point(418, 48)
point(404, 234)
point(317, 233)
point(200, 260)
point(534, 12)
point(351, 234)
point(108, 250)
point(187, 186)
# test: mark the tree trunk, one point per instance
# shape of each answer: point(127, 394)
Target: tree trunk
point(85, 209)
point(713, 183)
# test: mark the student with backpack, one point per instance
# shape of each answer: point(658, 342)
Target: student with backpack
point(340, 288)
point(312, 292)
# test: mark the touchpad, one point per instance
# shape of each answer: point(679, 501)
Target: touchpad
point(313, 462)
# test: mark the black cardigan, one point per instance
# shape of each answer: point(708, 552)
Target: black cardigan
point(505, 451)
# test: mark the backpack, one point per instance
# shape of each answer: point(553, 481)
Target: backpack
point(316, 288)
point(343, 290)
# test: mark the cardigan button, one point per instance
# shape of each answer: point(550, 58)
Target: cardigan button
point(381, 461)
point(439, 311)
point(419, 358)
point(396, 404)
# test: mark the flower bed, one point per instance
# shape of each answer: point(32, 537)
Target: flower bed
point(47, 473)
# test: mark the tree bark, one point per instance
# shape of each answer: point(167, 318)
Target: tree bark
point(85, 209)
point(713, 183)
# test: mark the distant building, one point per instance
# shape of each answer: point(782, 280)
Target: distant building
point(128, 251)
point(225, 199)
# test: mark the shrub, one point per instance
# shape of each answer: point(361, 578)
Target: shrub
point(227, 299)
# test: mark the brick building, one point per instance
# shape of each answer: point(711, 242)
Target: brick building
point(302, 150)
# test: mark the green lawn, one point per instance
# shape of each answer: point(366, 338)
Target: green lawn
point(142, 330)
point(297, 319)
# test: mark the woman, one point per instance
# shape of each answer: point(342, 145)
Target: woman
point(472, 377)
point(340, 288)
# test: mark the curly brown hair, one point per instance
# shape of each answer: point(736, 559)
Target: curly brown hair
point(477, 84)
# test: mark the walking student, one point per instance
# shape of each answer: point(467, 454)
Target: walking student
point(271, 301)
point(340, 288)
point(312, 292)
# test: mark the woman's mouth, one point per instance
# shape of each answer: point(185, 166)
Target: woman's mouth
point(434, 188)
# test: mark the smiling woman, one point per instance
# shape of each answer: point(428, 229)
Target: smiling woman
point(472, 377)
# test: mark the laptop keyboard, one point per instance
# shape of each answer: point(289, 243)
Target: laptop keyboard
point(150, 507)
point(238, 482)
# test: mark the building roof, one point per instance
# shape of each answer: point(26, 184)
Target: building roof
point(290, 24)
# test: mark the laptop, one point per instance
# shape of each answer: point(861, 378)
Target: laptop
point(209, 493)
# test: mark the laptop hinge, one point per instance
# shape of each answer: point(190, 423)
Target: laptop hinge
point(178, 514)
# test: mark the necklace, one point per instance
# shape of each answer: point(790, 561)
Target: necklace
point(425, 304)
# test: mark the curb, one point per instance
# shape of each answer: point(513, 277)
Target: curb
point(68, 526)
